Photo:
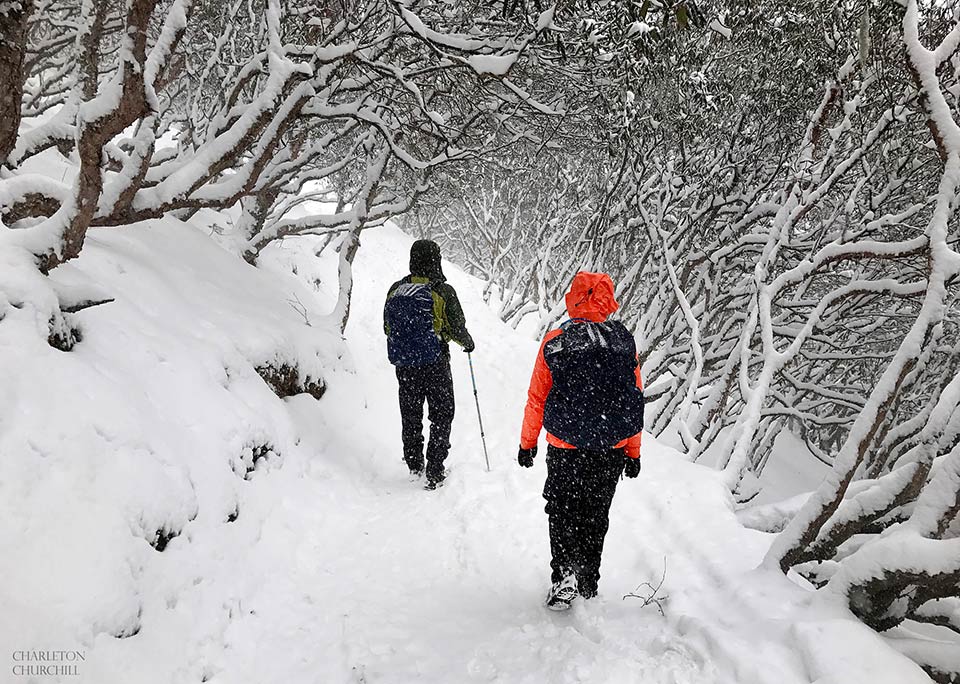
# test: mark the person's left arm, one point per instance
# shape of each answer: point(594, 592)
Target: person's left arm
point(455, 322)
point(633, 443)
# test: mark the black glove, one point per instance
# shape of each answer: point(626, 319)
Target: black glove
point(525, 456)
point(631, 466)
point(468, 345)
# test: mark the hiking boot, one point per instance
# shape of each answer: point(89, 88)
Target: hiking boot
point(563, 593)
point(435, 479)
point(416, 468)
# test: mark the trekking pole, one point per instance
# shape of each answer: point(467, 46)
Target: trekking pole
point(476, 399)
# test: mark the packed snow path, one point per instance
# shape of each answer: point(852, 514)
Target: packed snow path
point(390, 584)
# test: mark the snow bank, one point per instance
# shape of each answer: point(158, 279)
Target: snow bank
point(128, 459)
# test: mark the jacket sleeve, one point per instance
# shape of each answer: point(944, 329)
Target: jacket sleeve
point(386, 326)
point(540, 384)
point(456, 322)
point(633, 443)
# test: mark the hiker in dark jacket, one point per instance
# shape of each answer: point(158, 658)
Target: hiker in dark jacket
point(586, 391)
point(421, 316)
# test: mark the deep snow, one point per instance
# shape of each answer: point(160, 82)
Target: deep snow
point(325, 564)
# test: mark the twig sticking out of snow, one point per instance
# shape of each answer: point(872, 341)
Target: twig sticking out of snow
point(653, 598)
point(300, 308)
point(85, 304)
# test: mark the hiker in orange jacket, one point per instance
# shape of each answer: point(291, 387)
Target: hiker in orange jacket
point(586, 390)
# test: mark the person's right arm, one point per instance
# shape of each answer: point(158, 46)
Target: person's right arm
point(540, 383)
point(386, 326)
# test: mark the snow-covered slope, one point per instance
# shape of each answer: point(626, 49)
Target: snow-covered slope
point(146, 429)
point(325, 564)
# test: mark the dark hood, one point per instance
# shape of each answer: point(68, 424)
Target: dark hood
point(425, 260)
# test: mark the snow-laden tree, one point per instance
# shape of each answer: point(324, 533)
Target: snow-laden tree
point(514, 223)
point(170, 107)
point(892, 546)
point(815, 289)
point(525, 222)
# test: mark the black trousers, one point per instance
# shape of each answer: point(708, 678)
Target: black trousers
point(579, 490)
point(433, 384)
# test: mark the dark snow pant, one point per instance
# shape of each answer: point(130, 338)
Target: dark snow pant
point(433, 384)
point(579, 490)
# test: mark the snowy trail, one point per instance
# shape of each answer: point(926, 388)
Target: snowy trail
point(445, 586)
point(448, 587)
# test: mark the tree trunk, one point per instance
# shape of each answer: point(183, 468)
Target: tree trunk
point(348, 251)
point(13, 46)
point(100, 129)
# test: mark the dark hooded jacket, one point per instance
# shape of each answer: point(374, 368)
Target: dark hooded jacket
point(425, 265)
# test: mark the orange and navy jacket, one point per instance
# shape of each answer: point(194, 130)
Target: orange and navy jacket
point(591, 297)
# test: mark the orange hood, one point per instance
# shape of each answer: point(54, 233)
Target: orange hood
point(591, 297)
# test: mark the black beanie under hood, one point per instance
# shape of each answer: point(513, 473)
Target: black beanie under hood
point(425, 260)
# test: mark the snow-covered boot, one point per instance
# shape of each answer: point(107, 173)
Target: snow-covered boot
point(414, 462)
point(563, 593)
point(435, 479)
